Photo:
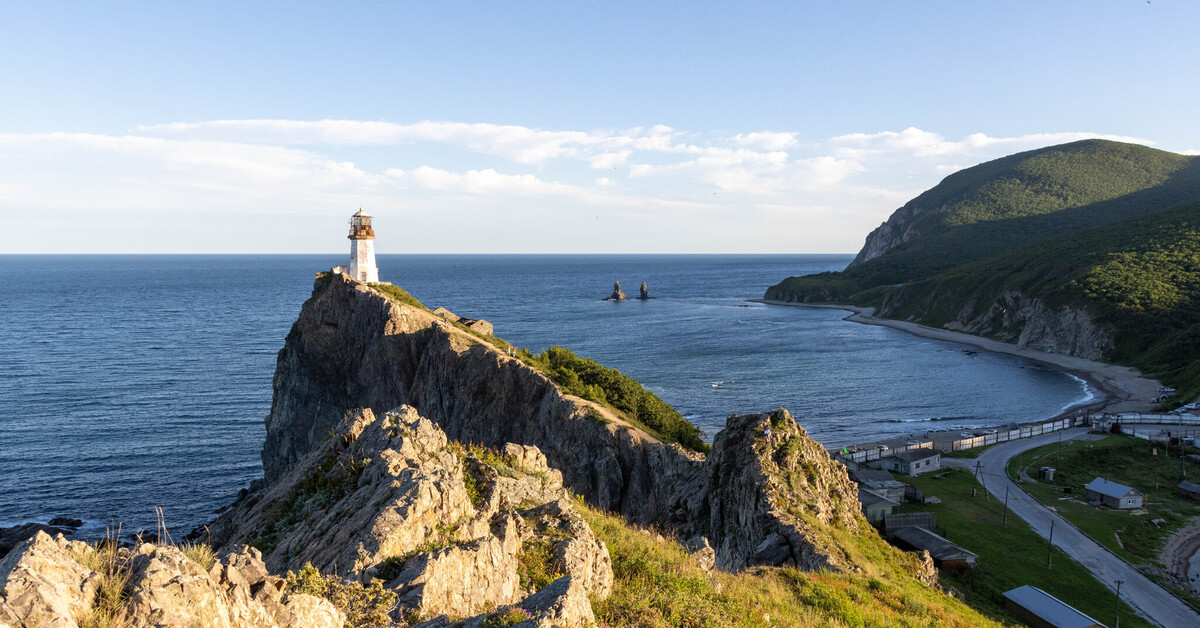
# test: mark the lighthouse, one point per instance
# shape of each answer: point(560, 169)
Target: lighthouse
point(362, 248)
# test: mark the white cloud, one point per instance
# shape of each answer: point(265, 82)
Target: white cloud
point(749, 187)
point(766, 140)
point(1190, 151)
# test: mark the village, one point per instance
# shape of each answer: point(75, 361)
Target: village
point(1122, 481)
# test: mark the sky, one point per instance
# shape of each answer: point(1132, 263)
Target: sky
point(550, 127)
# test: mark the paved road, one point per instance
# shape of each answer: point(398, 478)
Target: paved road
point(1151, 600)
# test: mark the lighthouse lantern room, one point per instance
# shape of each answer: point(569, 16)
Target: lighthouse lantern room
point(362, 248)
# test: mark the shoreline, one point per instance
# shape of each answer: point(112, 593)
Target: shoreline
point(1117, 388)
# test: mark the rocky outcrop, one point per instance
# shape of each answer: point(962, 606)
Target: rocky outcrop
point(645, 292)
point(1029, 323)
point(353, 347)
point(773, 493)
point(11, 537)
point(48, 582)
point(899, 229)
point(445, 526)
point(617, 294)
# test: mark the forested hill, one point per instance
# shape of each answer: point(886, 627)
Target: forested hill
point(1089, 249)
point(1003, 205)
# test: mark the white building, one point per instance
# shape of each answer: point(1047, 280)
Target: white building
point(362, 248)
point(1113, 495)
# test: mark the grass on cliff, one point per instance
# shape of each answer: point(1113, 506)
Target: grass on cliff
point(1009, 555)
point(365, 606)
point(609, 387)
point(659, 585)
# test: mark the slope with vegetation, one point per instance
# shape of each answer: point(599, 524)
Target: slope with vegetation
point(1086, 248)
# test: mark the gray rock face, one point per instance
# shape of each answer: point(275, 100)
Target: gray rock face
point(645, 292)
point(46, 583)
point(616, 295)
point(900, 228)
point(438, 521)
point(766, 493)
point(352, 347)
point(1028, 323)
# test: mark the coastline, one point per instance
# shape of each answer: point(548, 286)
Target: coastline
point(1117, 388)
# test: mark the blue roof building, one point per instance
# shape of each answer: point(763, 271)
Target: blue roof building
point(1042, 610)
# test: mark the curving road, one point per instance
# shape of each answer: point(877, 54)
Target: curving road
point(1149, 599)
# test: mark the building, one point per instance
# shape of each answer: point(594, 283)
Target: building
point(946, 555)
point(1039, 609)
point(1189, 489)
point(362, 248)
point(893, 522)
point(881, 483)
point(1113, 495)
point(911, 462)
point(874, 505)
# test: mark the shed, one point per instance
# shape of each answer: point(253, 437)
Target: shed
point(1042, 610)
point(946, 555)
point(1189, 489)
point(881, 483)
point(874, 505)
point(1113, 495)
point(911, 462)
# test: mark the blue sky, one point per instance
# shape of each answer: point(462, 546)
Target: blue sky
point(550, 127)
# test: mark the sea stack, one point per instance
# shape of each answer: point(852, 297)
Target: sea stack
point(617, 295)
point(645, 292)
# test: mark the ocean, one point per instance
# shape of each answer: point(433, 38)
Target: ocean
point(130, 382)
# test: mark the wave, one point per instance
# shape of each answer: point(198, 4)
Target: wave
point(1089, 394)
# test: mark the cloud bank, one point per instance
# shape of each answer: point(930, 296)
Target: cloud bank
point(474, 187)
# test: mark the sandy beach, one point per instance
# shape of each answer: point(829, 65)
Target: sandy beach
point(1118, 388)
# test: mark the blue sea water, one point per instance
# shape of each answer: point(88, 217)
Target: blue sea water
point(129, 382)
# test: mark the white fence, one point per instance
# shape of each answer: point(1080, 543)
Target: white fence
point(1023, 431)
point(876, 453)
point(1146, 418)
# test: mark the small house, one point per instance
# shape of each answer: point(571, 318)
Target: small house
point(946, 555)
point(1039, 609)
point(881, 483)
point(893, 522)
point(911, 462)
point(874, 505)
point(1113, 495)
point(1189, 489)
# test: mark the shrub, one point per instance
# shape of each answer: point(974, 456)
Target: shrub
point(365, 606)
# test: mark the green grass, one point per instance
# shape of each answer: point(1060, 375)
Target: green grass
point(1009, 556)
point(1123, 459)
point(365, 606)
point(658, 585)
point(609, 387)
point(398, 294)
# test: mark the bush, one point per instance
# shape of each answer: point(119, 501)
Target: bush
point(588, 379)
point(365, 606)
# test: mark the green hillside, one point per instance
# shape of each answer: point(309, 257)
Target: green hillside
point(1140, 277)
point(1006, 204)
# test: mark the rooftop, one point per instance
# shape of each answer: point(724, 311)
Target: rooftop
point(938, 546)
point(1056, 612)
point(868, 498)
point(1109, 488)
point(1191, 487)
point(875, 478)
point(912, 455)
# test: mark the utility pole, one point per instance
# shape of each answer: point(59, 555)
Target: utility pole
point(979, 478)
point(1006, 506)
point(1049, 546)
point(1117, 624)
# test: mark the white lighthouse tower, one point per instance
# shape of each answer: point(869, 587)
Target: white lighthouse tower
point(362, 248)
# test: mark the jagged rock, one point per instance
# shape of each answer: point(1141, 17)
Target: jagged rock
point(645, 292)
point(352, 347)
point(46, 583)
point(446, 314)
point(42, 584)
point(461, 578)
point(767, 494)
point(13, 536)
point(616, 295)
point(377, 488)
point(66, 522)
point(576, 550)
point(703, 553)
point(563, 604)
